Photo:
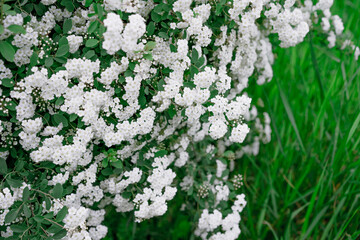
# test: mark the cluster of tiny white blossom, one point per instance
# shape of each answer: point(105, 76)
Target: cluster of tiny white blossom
point(128, 103)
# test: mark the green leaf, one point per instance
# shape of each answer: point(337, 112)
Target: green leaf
point(6, 82)
point(1, 29)
point(3, 166)
point(54, 228)
point(14, 183)
point(173, 48)
point(148, 56)
point(150, 28)
point(27, 211)
point(16, 29)
point(59, 118)
point(98, 10)
point(11, 106)
point(60, 234)
point(7, 51)
point(18, 228)
point(11, 215)
point(49, 62)
point(161, 153)
point(200, 62)
point(47, 203)
point(93, 26)
point(61, 214)
point(105, 162)
point(72, 117)
point(59, 101)
point(89, 54)
point(67, 25)
point(194, 55)
point(33, 59)
point(26, 194)
point(163, 35)
point(88, 3)
point(62, 50)
point(68, 4)
point(39, 218)
point(91, 43)
point(57, 191)
point(117, 164)
point(155, 17)
point(150, 45)
point(107, 171)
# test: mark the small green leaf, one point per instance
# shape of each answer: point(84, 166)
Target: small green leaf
point(148, 56)
point(150, 45)
point(163, 35)
point(11, 215)
point(107, 171)
point(3, 166)
point(88, 3)
point(89, 54)
point(105, 162)
point(11, 106)
point(161, 153)
point(18, 228)
point(1, 29)
point(14, 183)
point(49, 62)
point(16, 29)
point(91, 43)
point(194, 55)
point(6, 82)
point(54, 228)
point(33, 59)
point(61, 214)
point(62, 50)
point(72, 117)
point(68, 4)
point(150, 28)
point(67, 25)
point(47, 203)
point(93, 26)
point(59, 118)
point(26, 194)
point(59, 235)
point(117, 164)
point(57, 191)
point(155, 17)
point(39, 218)
point(27, 211)
point(173, 48)
point(200, 62)
point(59, 101)
point(7, 51)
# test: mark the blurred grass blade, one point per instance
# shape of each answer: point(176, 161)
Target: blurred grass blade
point(324, 105)
point(353, 128)
point(330, 224)
point(311, 206)
point(340, 233)
point(291, 117)
point(314, 223)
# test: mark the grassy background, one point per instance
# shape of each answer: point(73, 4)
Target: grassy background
point(305, 184)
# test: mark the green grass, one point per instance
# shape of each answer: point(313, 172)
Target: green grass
point(305, 184)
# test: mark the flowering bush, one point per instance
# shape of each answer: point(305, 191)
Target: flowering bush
point(127, 103)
